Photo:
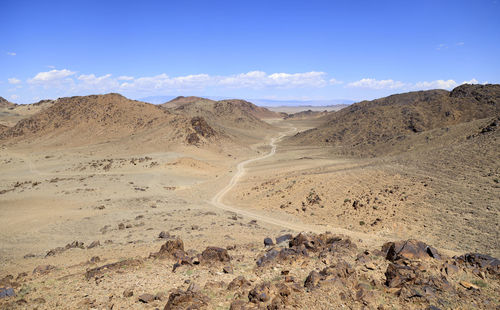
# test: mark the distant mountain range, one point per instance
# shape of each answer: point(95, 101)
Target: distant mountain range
point(260, 102)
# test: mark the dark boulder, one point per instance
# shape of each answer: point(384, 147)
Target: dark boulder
point(192, 298)
point(409, 249)
point(215, 255)
point(7, 292)
point(486, 262)
point(239, 282)
point(283, 238)
point(268, 242)
point(312, 280)
point(146, 298)
point(260, 293)
point(43, 269)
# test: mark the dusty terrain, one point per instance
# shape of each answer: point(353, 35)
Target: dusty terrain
point(123, 220)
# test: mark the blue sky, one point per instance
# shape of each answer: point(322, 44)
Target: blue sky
point(247, 49)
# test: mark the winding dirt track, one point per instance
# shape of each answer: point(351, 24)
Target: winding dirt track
point(216, 201)
point(240, 172)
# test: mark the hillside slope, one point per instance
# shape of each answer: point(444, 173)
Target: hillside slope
point(99, 118)
point(4, 103)
point(376, 127)
point(231, 113)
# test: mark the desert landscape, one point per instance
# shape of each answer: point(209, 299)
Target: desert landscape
point(113, 203)
point(246, 155)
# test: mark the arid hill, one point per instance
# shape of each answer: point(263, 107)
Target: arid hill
point(99, 118)
point(11, 114)
point(236, 118)
point(259, 112)
point(384, 122)
point(4, 103)
point(3, 128)
point(307, 114)
point(251, 108)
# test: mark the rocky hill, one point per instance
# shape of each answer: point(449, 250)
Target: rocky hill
point(306, 114)
point(228, 115)
point(381, 124)
point(97, 118)
point(4, 103)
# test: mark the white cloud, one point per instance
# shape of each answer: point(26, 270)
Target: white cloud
point(164, 82)
point(14, 97)
point(472, 81)
point(335, 82)
point(11, 54)
point(260, 79)
point(441, 46)
point(50, 76)
point(440, 84)
point(377, 84)
point(14, 81)
point(422, 85)
point(90, 82)
point(125, 78)
point(460, 43)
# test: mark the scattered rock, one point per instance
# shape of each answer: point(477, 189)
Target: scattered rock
point(409, 249)
point(469, 285)
point(43, 269)
point(128, 292)
point(173, 248)
point(146, 298)
point(94, 244)
point(74, 245)
point(164, 235)
point(215, 254)
point(189, 299)
point(486, 262)
point(228, 269)
point(128, 263)
point(39, 300)
point(268, 242)
point(312, 280)
point(239, 282)
point(283, 238)
point(7, 292)
point(260, 293)
point(370, 266)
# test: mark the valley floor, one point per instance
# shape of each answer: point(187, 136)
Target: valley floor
point(52, 198)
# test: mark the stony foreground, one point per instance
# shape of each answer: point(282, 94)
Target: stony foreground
point(306, 271)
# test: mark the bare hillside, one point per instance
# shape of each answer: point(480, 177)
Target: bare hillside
point(99, 118)
point(4, 103)
point(379, 124)
point(227, 113)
